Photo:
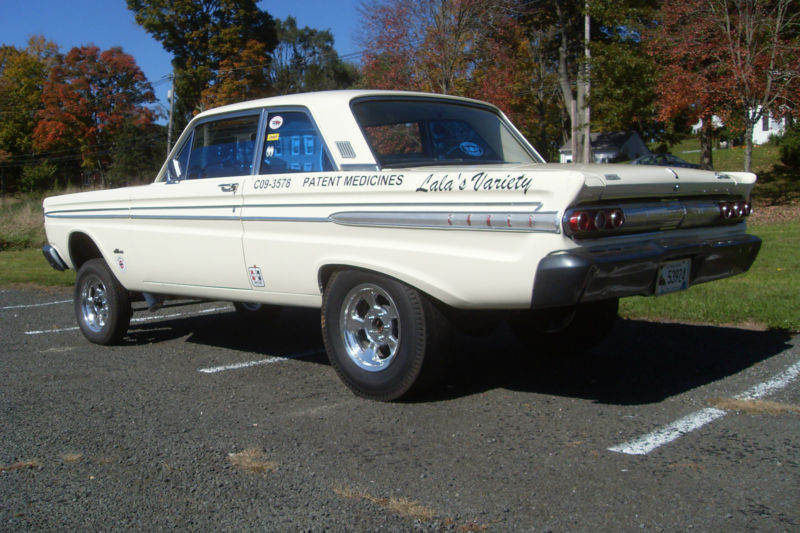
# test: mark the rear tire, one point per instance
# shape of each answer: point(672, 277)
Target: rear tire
point(566, 331)
point(383, 338)
point(102, 305)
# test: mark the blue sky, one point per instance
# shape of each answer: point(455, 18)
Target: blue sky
point(108, 23)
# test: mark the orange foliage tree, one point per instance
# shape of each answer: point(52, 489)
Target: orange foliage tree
point(88, 98)
point(737, 59)
point(472, 48)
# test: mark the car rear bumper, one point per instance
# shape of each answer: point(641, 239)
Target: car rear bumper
point(599, 273)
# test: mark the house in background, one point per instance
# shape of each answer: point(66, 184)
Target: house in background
point(766, 128)
point(609, 147)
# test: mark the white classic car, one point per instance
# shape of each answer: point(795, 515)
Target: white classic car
point(398, 214)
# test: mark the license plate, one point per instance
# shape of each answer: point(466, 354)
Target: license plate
point(673, 276)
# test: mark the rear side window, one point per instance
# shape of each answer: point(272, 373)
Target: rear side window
point(406, 132)
point(292, 144)
point(223, 147)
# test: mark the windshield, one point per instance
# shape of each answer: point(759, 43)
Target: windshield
point(416, 132)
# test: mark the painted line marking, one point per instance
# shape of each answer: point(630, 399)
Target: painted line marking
point(34, 305)
point(698, 419)
point(137, 320)
point(261, 362)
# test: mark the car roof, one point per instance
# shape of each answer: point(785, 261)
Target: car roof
point(323, 99)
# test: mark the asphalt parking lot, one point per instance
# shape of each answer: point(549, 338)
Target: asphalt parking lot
point(200, 421)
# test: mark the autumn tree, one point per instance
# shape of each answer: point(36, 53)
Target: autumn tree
point(241, 76)
point(87, 99)
point(213, 42)
point(737, 59)
point(23, 73)
point(427, 45)
point(526, 56)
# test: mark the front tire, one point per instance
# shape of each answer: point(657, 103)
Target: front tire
point(102, 305)
point(383, 338)
point(256, 312)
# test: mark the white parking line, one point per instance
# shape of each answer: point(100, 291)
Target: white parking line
point(260, 362)
point(58, 330)
point(698, 419)
point(34, 305)
point(136, 320)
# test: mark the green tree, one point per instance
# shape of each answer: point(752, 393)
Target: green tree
point(23, 73)
point(621, 73)
point(624, 75)
point(204, 37)
point(136, 153)
point(38, 176)
point(305, 60)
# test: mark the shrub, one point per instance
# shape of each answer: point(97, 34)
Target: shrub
point(36, 177)
point(790, 147)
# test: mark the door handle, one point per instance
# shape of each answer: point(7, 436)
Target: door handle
point(228, 187)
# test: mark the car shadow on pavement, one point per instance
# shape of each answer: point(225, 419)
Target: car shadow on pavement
point(295, 330)
point(639, 363)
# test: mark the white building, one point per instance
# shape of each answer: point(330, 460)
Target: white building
point(762, 131)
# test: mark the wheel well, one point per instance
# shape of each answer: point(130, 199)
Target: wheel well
point(327, 271)
point(81, 249)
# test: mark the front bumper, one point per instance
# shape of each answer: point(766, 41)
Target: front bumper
point(53, 258)
point(599, 273)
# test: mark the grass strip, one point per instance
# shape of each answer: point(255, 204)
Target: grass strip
point(767, 296)
point(29, 267)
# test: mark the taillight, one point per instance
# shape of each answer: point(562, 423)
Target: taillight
point(580, 221)
point(735, 210)
point(593, 222)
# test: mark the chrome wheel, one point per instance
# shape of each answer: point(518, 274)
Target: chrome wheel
point(94, 304)
point(384, 338)
point(370, 326)
point(102, 305)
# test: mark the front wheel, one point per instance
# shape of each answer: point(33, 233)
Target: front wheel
point(383, 338)
point(102, 305)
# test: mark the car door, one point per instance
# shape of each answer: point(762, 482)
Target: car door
point(187, 230)
point(283, 206)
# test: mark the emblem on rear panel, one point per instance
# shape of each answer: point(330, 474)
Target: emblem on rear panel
point(121, 263)
point(256, 279)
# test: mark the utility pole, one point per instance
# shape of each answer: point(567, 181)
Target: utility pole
point(171, 106)
point(587, 129)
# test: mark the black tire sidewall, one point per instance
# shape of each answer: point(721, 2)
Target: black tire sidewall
point(119, 313)
point(399, 377)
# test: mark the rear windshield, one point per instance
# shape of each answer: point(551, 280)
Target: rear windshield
point(415, 132)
